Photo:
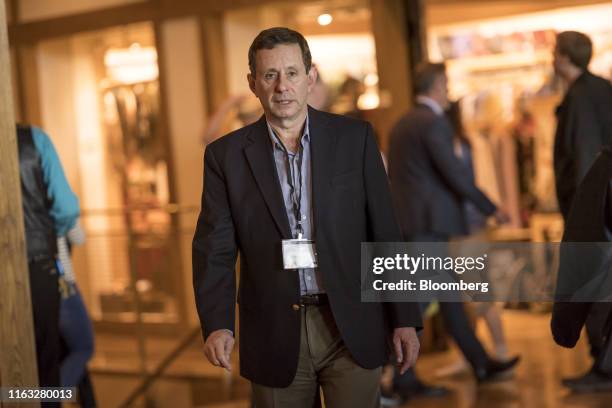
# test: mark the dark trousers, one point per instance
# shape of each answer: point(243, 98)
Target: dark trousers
point(77, 346)
point(596, 325)
point(457, 325)
point(599, 328)
point(45, 308)
point(86, 393)
point(77, 334)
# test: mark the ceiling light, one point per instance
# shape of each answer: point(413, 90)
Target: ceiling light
point(131, 65)
point(368, 100)
point(325, 19)
point(371, 79)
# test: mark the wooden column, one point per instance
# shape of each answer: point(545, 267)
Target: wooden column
point(25, 69)
point(416, 36)
point(26, 64)
point(393, 61)
point(213, 56)
point(17, 352)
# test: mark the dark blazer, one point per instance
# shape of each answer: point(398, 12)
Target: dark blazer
point(428, 182)
point(584, 127)
point(587, 222)
point(243, 210)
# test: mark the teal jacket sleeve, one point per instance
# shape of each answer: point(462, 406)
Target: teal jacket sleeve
point(64, 203)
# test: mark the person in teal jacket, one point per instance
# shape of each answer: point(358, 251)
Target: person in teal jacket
point(50, 208)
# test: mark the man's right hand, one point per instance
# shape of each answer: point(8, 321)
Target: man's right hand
point(218, 348)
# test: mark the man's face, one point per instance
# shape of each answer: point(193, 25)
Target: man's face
point(559, 61)
point(441, 91)
point(281, 82)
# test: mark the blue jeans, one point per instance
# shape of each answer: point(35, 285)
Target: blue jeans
point(77, 334)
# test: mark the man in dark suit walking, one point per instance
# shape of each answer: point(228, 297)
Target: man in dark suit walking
point(584, 119)
point(429, 185)
point(584, 127)
point(428, 182)
point(296, 193)
point(584, 273)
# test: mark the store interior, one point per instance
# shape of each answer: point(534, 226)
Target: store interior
point(128, 105)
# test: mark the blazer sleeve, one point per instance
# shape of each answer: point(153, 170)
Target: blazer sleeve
point(440, 148)
point(581, 137)
point(383, 225)
point(567, 321)
point(214, 253)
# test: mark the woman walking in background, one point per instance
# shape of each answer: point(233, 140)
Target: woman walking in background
point(476, 224)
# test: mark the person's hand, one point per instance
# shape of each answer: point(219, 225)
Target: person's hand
point(501, 216)
point(218, 348)
point(406, 345)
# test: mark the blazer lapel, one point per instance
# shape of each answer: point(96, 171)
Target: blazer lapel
point(261, 160)
point(323, 146)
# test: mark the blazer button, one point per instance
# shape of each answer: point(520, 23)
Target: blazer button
point(295, 307)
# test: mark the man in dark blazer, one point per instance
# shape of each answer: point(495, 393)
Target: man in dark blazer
point(429, 186)
point(584, 277)
point(584, 116)
point(429, 183)
point(297, 173)
point(584, 127)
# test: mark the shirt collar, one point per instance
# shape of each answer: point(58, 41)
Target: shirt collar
point(276, 142)
point(427, 101)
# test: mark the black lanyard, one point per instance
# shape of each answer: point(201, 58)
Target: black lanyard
point(296, 193)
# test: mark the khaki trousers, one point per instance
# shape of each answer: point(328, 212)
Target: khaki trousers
point(324, 362)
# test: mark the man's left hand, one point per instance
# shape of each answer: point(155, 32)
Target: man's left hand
point(406, 345)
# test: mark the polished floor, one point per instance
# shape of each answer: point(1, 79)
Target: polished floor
point(192, 382)
point(535, 382)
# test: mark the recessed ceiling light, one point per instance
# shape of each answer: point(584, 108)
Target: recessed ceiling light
point(325, 19)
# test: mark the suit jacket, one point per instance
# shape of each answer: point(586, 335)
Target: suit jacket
point(428, 182)
point(584, 127)
point(587, 222)
point(243, 210)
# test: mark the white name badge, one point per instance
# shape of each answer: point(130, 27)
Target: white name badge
point(299, 254)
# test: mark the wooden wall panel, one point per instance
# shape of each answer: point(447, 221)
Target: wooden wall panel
point(393, 62)
point(26, 65)
point(153, 10)
point(17, 355)
point(213, 55)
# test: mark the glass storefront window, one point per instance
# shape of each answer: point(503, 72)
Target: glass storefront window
point(101, 105)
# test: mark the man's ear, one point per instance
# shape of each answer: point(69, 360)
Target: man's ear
point(313, 74)
point(251, 80)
